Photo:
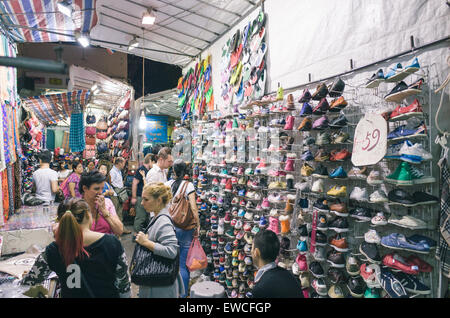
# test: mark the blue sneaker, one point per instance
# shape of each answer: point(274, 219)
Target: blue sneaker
point(263, 222)
point(241, 193)
point(307, 156)
point(241, 213)
point(376, 79)
point(241, 116)
point(338, 173)
point(412, 284)
point(393, 71)
point(306, 110)
point(393, 151)
point(203, 207)
point(228, 248)
point(302, 246)
point(398, 241)
point(390, 283)
point(417, 238)
point(402, 131)
point(413, 66)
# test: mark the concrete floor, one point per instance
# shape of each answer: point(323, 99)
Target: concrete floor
point(128, 246)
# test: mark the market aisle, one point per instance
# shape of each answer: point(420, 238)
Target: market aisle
point(129, 249)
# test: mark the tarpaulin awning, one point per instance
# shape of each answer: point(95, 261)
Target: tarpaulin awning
point(50, 109)
point(36, 15)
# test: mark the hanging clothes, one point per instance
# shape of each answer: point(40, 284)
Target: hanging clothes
point(50, 144)
point(6, 147)
point(2, 146)
point(59, 134)
point(17, 185)
point(5, 195)
point(442, 251)
point(77, 141)
point(9, 176)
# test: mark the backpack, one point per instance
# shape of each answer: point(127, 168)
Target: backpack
point(181, 212)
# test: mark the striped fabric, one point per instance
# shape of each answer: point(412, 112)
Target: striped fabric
point(52, 108)
point(44, 14)
point(443, 250)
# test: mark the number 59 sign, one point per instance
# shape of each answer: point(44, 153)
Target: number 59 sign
point(370, 141)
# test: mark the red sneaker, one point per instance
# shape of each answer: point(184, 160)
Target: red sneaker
point(301, 262)
point(342, 155)
point(424, 267)
point(394, 260)
point(404, 112)
point(229, 186)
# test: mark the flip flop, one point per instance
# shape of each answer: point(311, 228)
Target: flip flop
point(246, 73)
point(246, 34)
point(257, 58)
point(257, 39)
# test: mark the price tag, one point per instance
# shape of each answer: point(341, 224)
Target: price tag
point(370, 141)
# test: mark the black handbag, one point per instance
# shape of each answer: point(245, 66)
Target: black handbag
point(149, 269)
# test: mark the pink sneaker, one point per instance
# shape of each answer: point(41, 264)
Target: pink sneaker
point(289, 165)
point(289, 123)
point(273, 225)
point(301, 262)
point(265, 204)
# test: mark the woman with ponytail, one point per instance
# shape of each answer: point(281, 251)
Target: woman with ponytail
point(77, 255)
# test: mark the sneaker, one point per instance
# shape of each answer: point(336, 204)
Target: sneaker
point(321, 155)
point(319, 286)
point(321, 123)
point(417, 238)
point(321, 239)
point(367, 273)
point(316, 270)
point(379, 219)
point(378, 196)
point(301, 262)
point(401, 176)
point(338, 191)
point(339, 208)
point(398, 196)
point(339, 225)
point(408, 221)
point(263, 222)
point(305, 125)
point(321, 205)
point(302, 246)
point(308, 141)
point(413, 153)
point(317, 186)
point(376, 79)
point(359, 194)
point(418, 177)
point(307, 156)
point(322, 223)
point(305, 97)
point(342, 155)
point(370, 251)
point(356, 286)
point(390, 283)
point(403, 113)
point(423, 266)
point(336, 291)
point(336, 259)
point(412, 284)
point(372, 293)
point(340, 138)
point(371, 236)
point(339, 122)
point(352, 266)
point(400, 242)
point(321, 108)
point(274, 225)
point(319, 254)
point(306, 110)
point(374, 178)
point(338, 173)
point(398, 263)
point(337, 276)
point(306, 170)
point(402, 132)
point(320, 172)
point(393, 150)
point(339, 243)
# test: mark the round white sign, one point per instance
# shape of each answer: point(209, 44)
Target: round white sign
point(370, 140)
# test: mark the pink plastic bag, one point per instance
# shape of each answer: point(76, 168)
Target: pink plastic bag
point(196, 258)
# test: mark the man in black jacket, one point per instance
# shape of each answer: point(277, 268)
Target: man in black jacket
point(272, 281)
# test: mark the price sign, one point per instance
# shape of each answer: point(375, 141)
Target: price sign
point(370, 141)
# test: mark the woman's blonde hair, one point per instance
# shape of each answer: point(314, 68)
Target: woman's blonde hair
point(158, 190)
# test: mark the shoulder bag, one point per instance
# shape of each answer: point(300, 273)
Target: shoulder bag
point(180, 210)
point(122, 194)
point(149, 269)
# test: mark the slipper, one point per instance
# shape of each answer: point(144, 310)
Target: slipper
point(246, 73)
point(257, 39)
point(235, 56)
point(246, 34)
point(224, 89)
point(257, 58)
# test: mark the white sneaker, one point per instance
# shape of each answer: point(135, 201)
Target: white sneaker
point(379, 219)
point(357, 173)
point(414, 153)
point(393, 151)
point(359, 194)
point(319, 254)
point(302, 186)
point(378, 197)
point(248, 216)
point(295, 269)
point(374, 178)
point(372, 236)
point(317, 186)
point(274, 212)
point(408, 221)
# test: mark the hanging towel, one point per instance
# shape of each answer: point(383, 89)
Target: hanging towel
point(77, 141)
point(442, 252)
point(5, 135)
point(9, 176)
point(65, 142)
point(59, 134)
point(50, 139)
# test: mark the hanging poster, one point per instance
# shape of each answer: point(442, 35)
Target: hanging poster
point(370, 141)
point(156, 129)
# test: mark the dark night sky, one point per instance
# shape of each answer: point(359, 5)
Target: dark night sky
point(158, 76)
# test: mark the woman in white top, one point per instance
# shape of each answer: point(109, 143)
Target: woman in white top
point(184, 236)
point(63, 172)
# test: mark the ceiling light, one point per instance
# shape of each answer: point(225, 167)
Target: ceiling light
point(148, 17)
point(65, 8)
point(82, 38)
point(97, 90)
point(134, 43)
point(94, 87)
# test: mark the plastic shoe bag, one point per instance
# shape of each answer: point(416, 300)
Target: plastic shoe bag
point(196, 258)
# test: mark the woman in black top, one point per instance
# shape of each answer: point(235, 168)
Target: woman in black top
point(99, 257)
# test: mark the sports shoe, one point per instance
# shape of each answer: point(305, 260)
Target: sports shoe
point(379, 219)
point(339, 243)
point(418, 177)
point(322, 107)
point(321, 92)
point(305, 125)
point(352, 266)
point(336, 291)
point(390, 283)
point(372, 293)
point(393, 150)
point(308, 141)
point(408, 221)
point(337, 191)
point(338, 225)
point(337, 276)
point(305, 97)
point(319, 254)
point(370, 251)
point(307, 156)
point(316, 269)
point(323, 138)
point(306, 110)
point(319, 286)
point(423, 266)
point(359, 194)
point(321, 205)
point(321, 123)
point(413, 153)
point(255, 230)
point(321, 239)
point(338, 173)
point(403, 132)
point(398, 263)
point(342, 155)
point(336, 259)
point(317, 186)
point(412, 284)
point(379, 196)
point(340, 138)
point(422, 198)
point(356, 286)
point(301, 262)
point(302, 246)
point(339, 208)
point(263, 222)
point(339, 122)
point(398, 196)
point(321, 155)
point(421, 239)
point(371, 236)
point(320, 171)
point(374, 178)
point(274, 225)
point(265, 204)
point(322, 223)
point(403, 113)
point(306, 170)
point(376, 79)
point(367, 273)
point(338, 104)
point(400, 242)
point(401, 176)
